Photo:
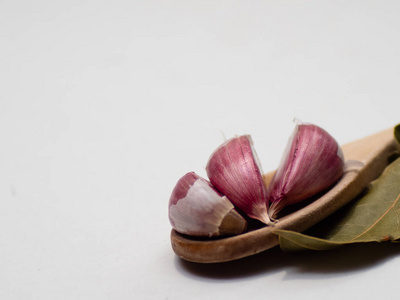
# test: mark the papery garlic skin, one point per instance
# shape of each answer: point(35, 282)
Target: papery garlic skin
point(312, 162)
point(235, 171)
point(197, 209)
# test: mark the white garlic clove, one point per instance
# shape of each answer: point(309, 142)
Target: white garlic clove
point(312, 162)
point(235, 171)
point(197, 209)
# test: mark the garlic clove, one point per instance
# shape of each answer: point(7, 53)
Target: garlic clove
point(234, 170)
point(197, 209)
point(312, 162)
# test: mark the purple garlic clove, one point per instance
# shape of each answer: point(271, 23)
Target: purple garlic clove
point(234, 170)
point(196, 208)
point(312, 162)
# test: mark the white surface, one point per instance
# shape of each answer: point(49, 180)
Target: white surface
point(104, 105)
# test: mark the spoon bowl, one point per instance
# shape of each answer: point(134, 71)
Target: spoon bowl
point(365, 161)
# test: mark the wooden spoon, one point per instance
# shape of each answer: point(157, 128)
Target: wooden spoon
point(365, 160)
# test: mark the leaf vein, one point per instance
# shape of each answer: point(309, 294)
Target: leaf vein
point(379, 219)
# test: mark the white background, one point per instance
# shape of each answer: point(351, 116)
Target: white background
point(104, 105)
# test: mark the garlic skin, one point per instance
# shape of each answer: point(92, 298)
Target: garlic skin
point(196, 208)
point(312, 162)
point(233, 168)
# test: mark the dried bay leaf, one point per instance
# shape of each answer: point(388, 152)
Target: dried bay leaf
point(372, 217)
point(397, 132)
